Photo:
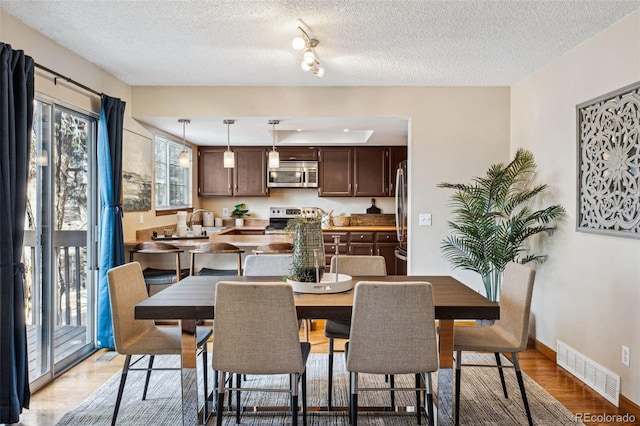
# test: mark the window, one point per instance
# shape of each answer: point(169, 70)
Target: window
point(173, 183)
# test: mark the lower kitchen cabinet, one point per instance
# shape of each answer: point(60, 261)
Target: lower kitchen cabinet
point(363, 244)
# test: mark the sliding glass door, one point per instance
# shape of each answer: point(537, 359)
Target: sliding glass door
point(59, 247)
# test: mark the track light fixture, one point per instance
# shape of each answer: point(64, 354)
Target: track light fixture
point(310, 61)
point(274, 156)
point(183, 160)
point(229, 158)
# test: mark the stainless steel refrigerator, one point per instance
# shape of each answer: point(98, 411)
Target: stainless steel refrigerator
point(401, 218)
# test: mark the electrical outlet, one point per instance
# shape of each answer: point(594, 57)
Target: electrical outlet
point(424, 219)
point(625, 355)
point(225, 212)
point(141, 218)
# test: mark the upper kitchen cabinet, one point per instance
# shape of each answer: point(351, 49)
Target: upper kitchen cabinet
point(335, 167)
point(371, 172)
point(359, 172)
point(397, 154)
point(295, 153)
point(247, 178)
point(213, 179)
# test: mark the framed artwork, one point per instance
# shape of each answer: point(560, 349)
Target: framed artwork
point(608, 136)
point(137, 169)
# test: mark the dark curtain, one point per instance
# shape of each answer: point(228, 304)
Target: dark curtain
point(16, 119)
point(111, 242)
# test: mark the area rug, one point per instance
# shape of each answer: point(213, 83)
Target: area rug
point(482, 402)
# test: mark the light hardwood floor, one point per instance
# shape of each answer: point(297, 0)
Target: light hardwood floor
point(50, 403)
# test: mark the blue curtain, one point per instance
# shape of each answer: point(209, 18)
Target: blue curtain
point(16, 120)
point(111, 241)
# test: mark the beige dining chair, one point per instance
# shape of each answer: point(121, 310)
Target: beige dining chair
point(508, 334)
point(273, 265)
point(364, 266)
point(215, 249)
point(159, 276)
point(241, 310)
point(142, 337)
point(405, 343)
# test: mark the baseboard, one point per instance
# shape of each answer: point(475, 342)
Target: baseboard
point(624, 403)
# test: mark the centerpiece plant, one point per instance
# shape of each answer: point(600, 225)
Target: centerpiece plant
point(308, 248)
point(493, 218)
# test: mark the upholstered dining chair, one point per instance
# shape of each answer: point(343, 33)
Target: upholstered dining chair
point(364, 266)
point(142, 337)
point(158, 276)
point(273, 265)
point(243, 308)
point(274, 248)
point(507, 335)
point(215, 249)
point(405, 344)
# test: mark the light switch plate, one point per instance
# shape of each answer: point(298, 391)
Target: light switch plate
point(424, 219)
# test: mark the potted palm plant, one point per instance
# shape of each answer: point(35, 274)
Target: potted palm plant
point(493, 219)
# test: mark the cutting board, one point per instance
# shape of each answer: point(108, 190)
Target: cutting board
point(373, 209)
point(372, 219)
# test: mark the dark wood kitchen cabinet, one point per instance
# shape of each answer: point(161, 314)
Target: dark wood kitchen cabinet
point(247, 178)
point(335, 166)
point(213, 179)
point(371, 172)
point(295, 153)
point(357, 243)
point(359, 171)
point(397, 154)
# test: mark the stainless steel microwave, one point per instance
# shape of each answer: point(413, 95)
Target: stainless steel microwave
point(294, 174)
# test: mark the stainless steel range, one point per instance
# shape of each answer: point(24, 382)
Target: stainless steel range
point(280, 216)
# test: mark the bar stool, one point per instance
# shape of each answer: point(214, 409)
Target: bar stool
point(215, 248)
point(156, 276)
point(274, 248)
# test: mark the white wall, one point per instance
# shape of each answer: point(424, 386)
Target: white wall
point(587, 294)
point(455, 133)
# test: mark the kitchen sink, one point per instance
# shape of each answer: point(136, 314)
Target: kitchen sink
point(214, 229)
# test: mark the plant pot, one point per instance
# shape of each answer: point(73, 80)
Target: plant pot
point(239, 223)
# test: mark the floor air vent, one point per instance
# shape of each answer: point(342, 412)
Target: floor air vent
point(594, 375)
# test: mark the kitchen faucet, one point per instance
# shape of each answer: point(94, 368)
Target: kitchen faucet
point(193, 214)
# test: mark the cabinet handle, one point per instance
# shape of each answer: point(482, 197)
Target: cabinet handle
point(378, 252)
point(361, 237)
point(371, 252)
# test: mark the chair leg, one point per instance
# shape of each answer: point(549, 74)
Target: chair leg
point(304, 398)
point(330, 378)
point(516, 364)
point(238, 408)
point(353, 403)
point(500, 369)
point(123, 379)
point(392, 385)
point(457, 397)
point(429, 400)
point(205, 376)
point(146, 382)
point(293, 383)
point(418, 404)
point(220, 402)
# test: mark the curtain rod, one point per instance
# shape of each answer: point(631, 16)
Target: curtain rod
point(67, 79)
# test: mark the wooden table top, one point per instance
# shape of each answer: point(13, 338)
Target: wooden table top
point(194, 298)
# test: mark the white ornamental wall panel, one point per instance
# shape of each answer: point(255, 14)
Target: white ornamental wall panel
point(609, 163)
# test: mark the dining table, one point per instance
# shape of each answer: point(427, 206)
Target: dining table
point(193, 299)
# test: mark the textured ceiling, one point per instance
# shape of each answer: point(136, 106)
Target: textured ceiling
point(362, 43)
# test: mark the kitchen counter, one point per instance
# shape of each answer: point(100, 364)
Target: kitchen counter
point(224, 237)
point(363, 228)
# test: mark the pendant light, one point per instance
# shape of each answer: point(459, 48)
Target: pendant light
point(274, 156)
point(229, 158)
point(183, 160)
